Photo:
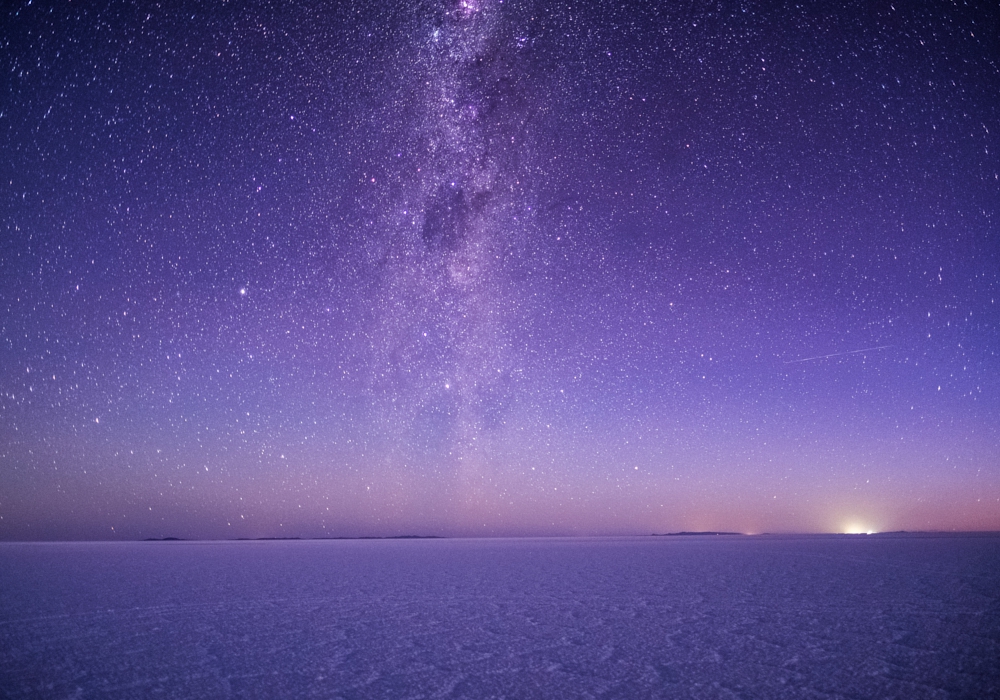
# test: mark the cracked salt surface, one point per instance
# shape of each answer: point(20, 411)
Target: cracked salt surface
point(913, 616)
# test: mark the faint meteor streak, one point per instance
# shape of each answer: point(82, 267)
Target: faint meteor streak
point(838, 354)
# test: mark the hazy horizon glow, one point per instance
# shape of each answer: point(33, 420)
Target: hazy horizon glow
point(498, 268)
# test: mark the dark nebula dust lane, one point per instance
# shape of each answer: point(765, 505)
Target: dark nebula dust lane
point(448, 306)
point(498, 268)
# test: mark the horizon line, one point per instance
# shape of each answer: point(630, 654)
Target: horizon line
point(707, 534)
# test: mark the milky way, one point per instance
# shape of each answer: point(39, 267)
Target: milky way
point(498, 268)
point(445, 356)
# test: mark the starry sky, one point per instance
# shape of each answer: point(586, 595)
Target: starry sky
point(498, 268)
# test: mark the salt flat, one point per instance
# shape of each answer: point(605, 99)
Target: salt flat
point(907, 616)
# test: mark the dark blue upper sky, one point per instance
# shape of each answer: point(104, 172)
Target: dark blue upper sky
point(484, 267)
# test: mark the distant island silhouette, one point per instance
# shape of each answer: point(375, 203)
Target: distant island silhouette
point(687, 534)
point(281, 539)
point(360, 537)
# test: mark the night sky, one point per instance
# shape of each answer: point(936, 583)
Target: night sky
point(498, 268)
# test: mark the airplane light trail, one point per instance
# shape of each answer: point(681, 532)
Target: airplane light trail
point(838, 354)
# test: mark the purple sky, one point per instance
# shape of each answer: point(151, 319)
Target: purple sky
point(498, 268)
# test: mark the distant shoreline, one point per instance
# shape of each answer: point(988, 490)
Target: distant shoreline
point(691, 534)
point(282, 539)
point(685, 533)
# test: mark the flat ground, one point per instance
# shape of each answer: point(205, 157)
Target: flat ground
point(907, 616)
